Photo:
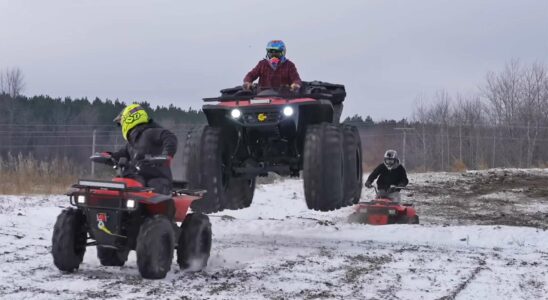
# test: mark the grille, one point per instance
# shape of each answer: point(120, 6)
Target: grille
point(253, 117)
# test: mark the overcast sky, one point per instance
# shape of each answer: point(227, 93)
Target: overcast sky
point(385, 52)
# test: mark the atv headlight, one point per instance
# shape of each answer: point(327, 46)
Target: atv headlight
point(362, 210)
point(130, 203)
point(392, 212)
point(236, 113)
point(288, 111)
point(81, 199)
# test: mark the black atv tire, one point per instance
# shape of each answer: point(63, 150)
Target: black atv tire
point(353, 173)
point(155, 245)
point(194, 244)
point(323, 169)
point(239, 193)
point(112, 257)
point(69, 240)
point(192, 157)
point(407, 220)
point(223, 190)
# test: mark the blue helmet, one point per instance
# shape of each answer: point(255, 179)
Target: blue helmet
point(275, 48)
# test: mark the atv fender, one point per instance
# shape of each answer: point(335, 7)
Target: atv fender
point(182, 203)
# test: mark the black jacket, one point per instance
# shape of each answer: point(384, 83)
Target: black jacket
point(396, 176)
point(152, 139)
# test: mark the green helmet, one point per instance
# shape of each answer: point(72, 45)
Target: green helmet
point(130, 117)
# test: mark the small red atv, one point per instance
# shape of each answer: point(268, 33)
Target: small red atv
point(382, 211)
point(122, 215)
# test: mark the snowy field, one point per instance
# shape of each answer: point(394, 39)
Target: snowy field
point(482, 236)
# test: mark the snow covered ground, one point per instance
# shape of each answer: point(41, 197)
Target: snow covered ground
point(278, 249)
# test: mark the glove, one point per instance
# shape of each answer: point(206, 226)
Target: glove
point(106, 154)
point(246, 86)
point(294, 87)
point(368, 184)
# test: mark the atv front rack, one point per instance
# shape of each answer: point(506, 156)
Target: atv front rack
point(229, 98)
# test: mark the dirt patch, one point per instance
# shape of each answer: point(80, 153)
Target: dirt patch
point(495, 197)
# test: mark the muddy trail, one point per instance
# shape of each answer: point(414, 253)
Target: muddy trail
point(494, 197)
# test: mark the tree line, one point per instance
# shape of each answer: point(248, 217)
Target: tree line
point(503, 124)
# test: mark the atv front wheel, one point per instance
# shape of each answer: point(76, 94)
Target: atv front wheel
point(323, 168)
point(69, 240)
point(223, 190)
point(112, 257)
point(239, 193)
point(194, 242)
point(155, 244)
point(353, 172)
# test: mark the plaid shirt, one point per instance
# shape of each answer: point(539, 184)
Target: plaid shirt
point(285, 74)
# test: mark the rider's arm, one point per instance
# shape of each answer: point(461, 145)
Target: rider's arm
point(374, 174)
point(168, 141)
point(403, 180)
point(121, 153)
point(294, 74)
point(254, 73)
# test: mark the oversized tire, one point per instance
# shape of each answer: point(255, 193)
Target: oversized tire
point(194, 244)
point(112, 257)
point(192, 157)
point(69, 240)
point(353, 173)
point(155, 245)
point(323, 170)
point(223, 190)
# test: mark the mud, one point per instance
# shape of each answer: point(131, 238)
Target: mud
point(497, 197)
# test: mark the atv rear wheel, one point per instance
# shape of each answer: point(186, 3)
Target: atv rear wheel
point(112, 257)
point(155, 244)
point(323, 169)
point(69, 240)
point(353, 172)
point(194, 244)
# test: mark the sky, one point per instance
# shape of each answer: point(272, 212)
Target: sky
point(386, 53)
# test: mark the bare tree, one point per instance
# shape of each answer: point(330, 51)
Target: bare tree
point(12, 82)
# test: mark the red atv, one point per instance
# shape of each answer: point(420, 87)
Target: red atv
point(252, 133)
point(382, 211)
point(121, 215)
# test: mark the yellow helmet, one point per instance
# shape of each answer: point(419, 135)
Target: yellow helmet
point(130, 117)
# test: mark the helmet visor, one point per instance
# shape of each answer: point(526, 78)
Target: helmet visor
point(274, 53)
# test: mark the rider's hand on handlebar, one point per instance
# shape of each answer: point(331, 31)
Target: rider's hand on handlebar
point(246, 86)
point(106, 154)
point(368, 184)
point(294, 87)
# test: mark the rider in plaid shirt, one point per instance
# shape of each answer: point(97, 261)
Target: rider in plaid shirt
point(275, 70)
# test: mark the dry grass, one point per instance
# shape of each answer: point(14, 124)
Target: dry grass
point(458, 166)
point(27, 175)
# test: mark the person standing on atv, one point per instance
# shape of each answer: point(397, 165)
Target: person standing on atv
point(390, 173)
point(275, 70)
point(145, 137)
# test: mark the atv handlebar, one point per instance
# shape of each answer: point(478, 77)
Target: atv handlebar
point(107, 159)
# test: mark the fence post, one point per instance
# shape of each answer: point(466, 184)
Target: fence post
point(93, 152)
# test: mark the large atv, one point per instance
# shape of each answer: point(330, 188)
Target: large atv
point(251, 133)
point(121, 215)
